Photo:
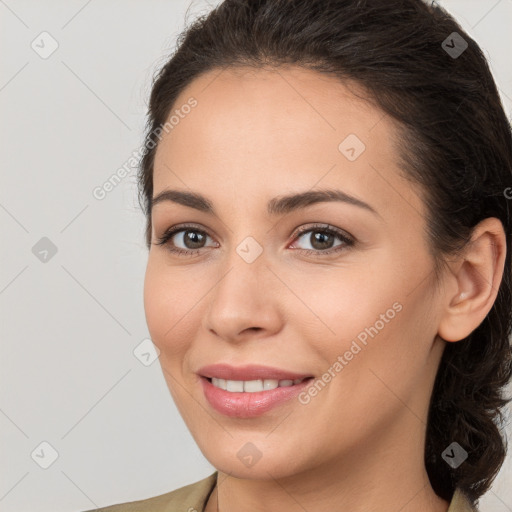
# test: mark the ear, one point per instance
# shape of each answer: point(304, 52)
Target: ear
point(475, 280)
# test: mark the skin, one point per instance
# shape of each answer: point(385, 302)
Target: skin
point(255, 135)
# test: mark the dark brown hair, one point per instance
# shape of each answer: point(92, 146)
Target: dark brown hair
point(455, 144)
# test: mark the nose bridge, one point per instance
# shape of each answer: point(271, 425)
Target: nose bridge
point(242, 298)
point(242, 275)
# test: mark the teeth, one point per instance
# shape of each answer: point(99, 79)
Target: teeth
point(252, 386)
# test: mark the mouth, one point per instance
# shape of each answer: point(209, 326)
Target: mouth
point(250, 373)
point(251, 390)
point(251, 398)
point(253, 386)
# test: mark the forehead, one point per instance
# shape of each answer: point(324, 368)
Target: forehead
point(268, 131)
point(287, 105)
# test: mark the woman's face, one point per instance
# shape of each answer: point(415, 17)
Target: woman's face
point(358, 313)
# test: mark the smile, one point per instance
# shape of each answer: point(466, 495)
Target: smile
point(252, 386)
point(250, 398)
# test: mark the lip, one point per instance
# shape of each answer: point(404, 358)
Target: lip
point(248, 372)
point(249, 405)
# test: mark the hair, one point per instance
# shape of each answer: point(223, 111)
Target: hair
point(454, 143)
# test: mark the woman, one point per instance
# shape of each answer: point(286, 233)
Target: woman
point(326, 186)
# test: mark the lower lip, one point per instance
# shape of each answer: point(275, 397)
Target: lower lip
point(249, 405)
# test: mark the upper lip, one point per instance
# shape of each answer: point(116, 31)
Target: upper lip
point(248, 372)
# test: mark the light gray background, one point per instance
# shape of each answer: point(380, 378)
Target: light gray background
point(70, 325)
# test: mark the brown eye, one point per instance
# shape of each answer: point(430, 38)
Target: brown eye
point(190, 238)
point(322, 239)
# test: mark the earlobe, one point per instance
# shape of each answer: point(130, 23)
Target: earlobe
point(475, 281)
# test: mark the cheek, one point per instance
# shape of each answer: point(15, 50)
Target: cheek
point(343, 302)
point(169, 308)
point(367, 315)
point(383, 336)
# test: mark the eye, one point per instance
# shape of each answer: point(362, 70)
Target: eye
point(190, 236)
point(321, 239)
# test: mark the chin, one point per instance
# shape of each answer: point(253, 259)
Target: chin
point(250, 462)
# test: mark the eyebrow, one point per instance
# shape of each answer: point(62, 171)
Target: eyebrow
point(280, 205)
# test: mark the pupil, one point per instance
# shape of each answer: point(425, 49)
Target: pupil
point(318, 238)
point(193, 237)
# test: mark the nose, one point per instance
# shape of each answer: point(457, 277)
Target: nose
point(244, 303)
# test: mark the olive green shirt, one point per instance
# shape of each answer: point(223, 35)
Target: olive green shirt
point(193, 498)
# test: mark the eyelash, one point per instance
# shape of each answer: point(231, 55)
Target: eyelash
point(347, 241)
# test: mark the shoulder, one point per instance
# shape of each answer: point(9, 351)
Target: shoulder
point(461, 503)
point(190, 498)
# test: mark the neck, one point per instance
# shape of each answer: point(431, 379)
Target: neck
point(232, 494)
